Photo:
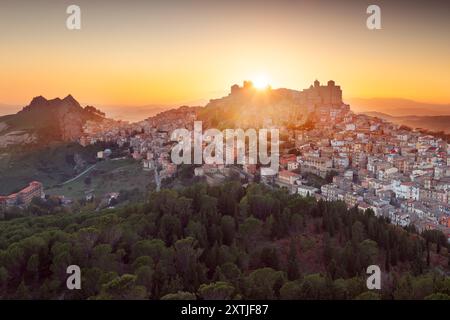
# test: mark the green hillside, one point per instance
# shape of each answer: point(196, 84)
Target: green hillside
point(50, 165)
point(105, 177)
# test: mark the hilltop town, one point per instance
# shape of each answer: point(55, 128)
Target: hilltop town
point(326, 151)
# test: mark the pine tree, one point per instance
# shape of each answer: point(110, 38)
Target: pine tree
point(293, 268)
point(387, 264)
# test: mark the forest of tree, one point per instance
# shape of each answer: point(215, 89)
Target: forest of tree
point(223, 242)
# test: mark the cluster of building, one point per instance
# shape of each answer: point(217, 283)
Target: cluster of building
point(24, 196)
point(399, 173)
point(364, 161)
point(147, 141)
point(361, 160)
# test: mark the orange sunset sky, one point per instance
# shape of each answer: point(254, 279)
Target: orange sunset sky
point(170, 52)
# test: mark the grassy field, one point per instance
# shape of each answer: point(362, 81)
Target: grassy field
point(49, 165)
point(107, 176)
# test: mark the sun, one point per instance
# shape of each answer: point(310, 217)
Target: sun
point(261, 82)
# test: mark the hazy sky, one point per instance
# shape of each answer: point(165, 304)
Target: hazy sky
point(168, 52)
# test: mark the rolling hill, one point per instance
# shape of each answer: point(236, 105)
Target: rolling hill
point(431, 123)
point(398, 107)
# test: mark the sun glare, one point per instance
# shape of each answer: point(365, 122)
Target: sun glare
point(261, 82)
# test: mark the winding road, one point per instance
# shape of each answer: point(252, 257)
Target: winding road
point(79, 175)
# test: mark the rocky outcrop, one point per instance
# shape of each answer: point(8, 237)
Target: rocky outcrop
point(16, 138)
point(44, 121)
point(3, 126)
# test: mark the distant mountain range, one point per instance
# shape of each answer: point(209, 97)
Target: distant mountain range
point(431, 123)
point(134, 113)
point(139, 113)
point(414, 114)
point(398, 107)
point(44, 121)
